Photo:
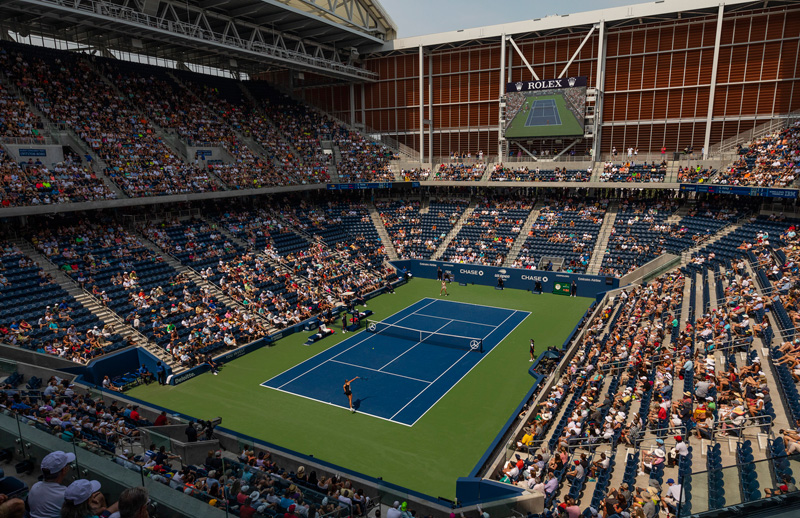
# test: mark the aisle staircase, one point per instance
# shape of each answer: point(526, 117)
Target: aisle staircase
point(192, 274)
point(91, 303)
point(67, 137)
point(516, 248)
point(388, 245)
point(437, 255)
point(596, 262)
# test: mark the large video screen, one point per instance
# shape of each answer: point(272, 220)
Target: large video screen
point(545, 108)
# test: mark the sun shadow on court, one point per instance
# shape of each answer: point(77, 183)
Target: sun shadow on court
point(357, 402)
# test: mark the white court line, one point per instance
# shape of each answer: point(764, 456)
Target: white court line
point(377, 370)
point(453, 365)
point(455, 319)
point(264, 384)
point(527, 314)
point(337, 406)
point(413, 346)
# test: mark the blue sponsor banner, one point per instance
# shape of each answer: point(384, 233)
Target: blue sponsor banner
point(766, 192)
point(202, 153)
point(370, 185)
point(515, 278)
point(32, 152)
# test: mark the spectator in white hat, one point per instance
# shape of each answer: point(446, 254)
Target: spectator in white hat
point(83, 499)
point(47, 496)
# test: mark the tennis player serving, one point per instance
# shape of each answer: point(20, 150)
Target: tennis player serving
point(349, 393)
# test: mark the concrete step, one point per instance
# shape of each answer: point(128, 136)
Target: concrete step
point(596, 262)
point(452, 234)
point(513, 253)
point(388, 245)
point(93, 305)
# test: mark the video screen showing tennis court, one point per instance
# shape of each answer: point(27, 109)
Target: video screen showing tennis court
point(557, 111)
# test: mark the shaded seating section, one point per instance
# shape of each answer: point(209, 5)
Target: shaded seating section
point(138, 161)
point(361, 159)
point(638, 235)
point(417, 234)
point(40, 315)
point(567, 229)
point(346, 227)
point(289, 128)
point(755, 232)
point(133, 281)
point(502, 173)
point(701, 223)
point(631, 172)
point(194, 242)
point(31, 183)
point(16, 120)
point(201, 111)
point(489, 232)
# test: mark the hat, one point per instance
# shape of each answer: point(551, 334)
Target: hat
point(577, 462)
point(245, 489)
point(301, 470)
point(709, 398)
point(678, 438)
point(760, 394)
point(738, 411)
point(593, 511)
point(659, 453)
point(254, 495)
point(670, 481)
point(404, 506)
point(396, 504)
point(55, 461)
point(653, 492)
point(212, 502)
point(687, 393)
point(609, 418)
point(79, 491)
point(292, 508)
point(659, 441)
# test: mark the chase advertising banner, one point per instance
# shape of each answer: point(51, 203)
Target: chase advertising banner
point(516, 278)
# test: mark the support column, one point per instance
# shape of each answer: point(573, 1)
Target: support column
point(430, 108)
point(502, 90)
point(600, 80)
point(364, 109)
point(714, 67)
point(352, 104)
point(421, 105)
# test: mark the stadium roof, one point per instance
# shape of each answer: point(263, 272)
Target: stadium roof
point(322, 36)
point(630, 15)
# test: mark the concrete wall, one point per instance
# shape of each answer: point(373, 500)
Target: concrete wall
point(48, 154)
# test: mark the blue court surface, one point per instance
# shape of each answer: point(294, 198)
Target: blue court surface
point(543, 113)
point(401, 378)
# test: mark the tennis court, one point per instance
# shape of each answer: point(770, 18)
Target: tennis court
point(544, 112)
point(406, 363)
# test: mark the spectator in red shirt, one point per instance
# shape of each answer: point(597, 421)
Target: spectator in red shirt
point(161, 420)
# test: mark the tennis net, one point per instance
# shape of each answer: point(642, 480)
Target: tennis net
point(466, 343)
